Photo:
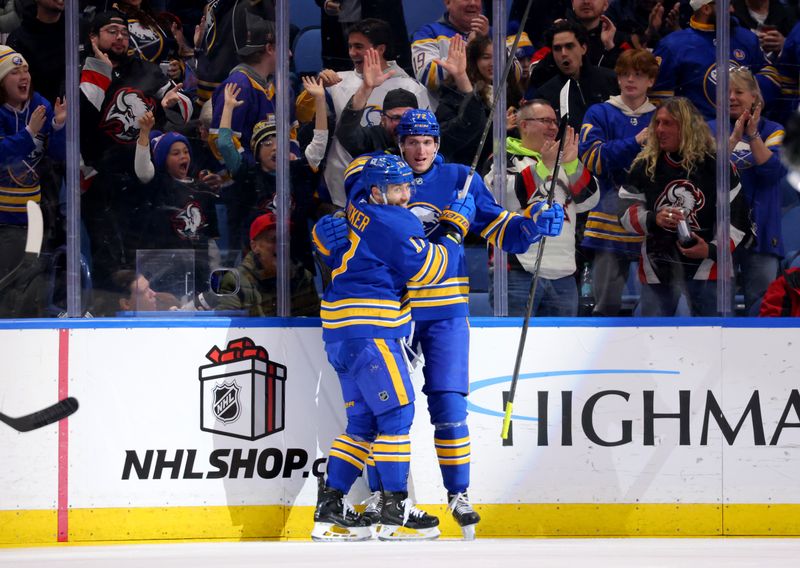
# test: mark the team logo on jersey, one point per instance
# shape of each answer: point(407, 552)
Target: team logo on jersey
point(242, 391)
point(710, 81)
point(210, 29)
point(144, 40)
point(427, 213)
point(121, 117)
point(189, 221)
point(738, 54)
point(686, 195)
point(634, 121)
point(372, 116)
point(24, 172)
point(226, 405)
point(742, 156)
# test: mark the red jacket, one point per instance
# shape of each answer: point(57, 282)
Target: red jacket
point(782, 298)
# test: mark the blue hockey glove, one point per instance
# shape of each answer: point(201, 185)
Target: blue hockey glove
point(330, 237)
point(459, 214)
point(548, 219)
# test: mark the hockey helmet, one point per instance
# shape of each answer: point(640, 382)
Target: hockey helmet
point(418, 122)
point(381, 171)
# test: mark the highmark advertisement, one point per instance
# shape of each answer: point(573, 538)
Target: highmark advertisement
point(221, 433)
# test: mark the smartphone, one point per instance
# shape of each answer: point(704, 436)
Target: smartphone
point(767, 28)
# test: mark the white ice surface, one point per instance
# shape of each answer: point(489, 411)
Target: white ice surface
point(482, 553)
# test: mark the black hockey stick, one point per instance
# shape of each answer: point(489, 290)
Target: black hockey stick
point(54, 413)
point(562, 132)
point(506, 70)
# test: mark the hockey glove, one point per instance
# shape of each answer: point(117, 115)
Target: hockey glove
point(330, 237)
point(459, 214)
point(549, 219)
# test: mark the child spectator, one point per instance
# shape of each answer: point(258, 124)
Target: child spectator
point(177, 211)
point(257, 181)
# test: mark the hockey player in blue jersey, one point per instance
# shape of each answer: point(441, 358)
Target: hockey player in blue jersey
point(363, 323)
point(440, 310)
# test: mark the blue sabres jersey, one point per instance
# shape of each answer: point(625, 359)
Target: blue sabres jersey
point(388, 249)
point(607, 148)
point(688, 65)
point(432, 192)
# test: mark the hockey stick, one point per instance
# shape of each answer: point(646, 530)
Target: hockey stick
point(33, 246)
point(18, 288)
point(54, 413)
point(562, 132)
point(506, 70)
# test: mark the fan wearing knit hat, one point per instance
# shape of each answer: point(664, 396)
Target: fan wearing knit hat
point(29, 125)
point(262, 144)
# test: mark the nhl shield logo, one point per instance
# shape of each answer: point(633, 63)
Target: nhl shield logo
point(226, 405)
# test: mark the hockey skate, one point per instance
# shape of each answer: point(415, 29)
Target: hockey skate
point(463, 513)
point(335, 520)
point(401, 520)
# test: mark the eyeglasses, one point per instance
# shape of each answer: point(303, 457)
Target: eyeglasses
point(123, 32)
point(545, 121)
point(393, 117)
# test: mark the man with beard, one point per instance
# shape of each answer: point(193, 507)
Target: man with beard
point(116, 91)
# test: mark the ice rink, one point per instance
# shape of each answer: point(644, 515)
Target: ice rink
point(481, 553)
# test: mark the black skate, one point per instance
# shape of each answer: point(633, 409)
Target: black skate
point(335, 520)
point(401, 520)
point(463, 513)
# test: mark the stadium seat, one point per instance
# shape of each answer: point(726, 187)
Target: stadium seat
point(304, 14)
point(422, 12)
point(307, 52)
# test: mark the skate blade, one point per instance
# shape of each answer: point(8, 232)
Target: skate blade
point(468, 532)
point(330, 532)
point(396, 532)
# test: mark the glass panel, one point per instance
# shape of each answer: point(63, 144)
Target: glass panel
point(32, 155)
point(208, 205)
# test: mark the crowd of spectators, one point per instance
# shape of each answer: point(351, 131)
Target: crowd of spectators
point(178, 143)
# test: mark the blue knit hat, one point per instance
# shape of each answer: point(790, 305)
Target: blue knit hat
point(160, 144)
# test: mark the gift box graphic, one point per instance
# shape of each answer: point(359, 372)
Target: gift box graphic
point(242, 393)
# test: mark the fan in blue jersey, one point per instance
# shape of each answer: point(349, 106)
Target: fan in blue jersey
point(363, 323)
point(688, 61)
point(440, 310)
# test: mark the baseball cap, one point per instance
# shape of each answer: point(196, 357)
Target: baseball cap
point(697, 4)
point(258, 33)
point(262, 223)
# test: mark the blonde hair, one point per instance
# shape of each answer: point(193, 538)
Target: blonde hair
point(696, 141)
point(742, 77)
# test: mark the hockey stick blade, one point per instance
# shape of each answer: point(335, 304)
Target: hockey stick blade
point(44, 417)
